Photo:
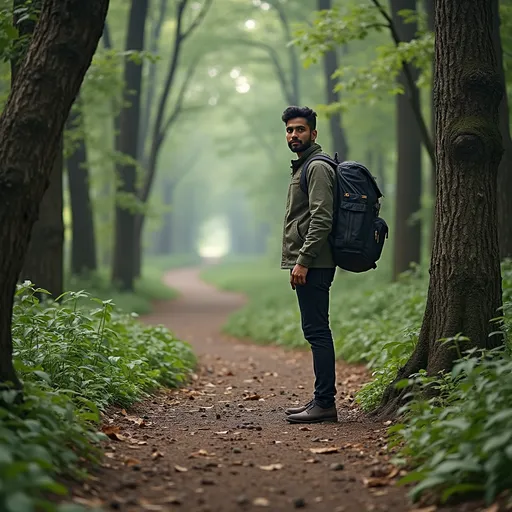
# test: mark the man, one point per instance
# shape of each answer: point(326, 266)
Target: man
point(307, 254)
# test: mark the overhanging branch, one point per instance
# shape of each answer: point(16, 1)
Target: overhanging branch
point(427, 139)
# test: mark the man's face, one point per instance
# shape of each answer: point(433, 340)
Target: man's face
point(298, 135)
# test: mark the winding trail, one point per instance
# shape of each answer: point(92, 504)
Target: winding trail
point(222, 444)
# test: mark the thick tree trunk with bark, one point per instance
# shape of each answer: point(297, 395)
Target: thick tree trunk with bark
point(44, 259)
point(339, 141)
point(407, 237)
point(83, 243)
point(465, 283)
point(31, 128)
point(505, 169)
point(125, 245)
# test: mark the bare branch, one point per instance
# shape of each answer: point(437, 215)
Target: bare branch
point(178, 106)
point(294, 61)
point(199, 18)
point(281, 73)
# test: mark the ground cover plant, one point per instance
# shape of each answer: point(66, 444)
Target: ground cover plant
point(74, 362)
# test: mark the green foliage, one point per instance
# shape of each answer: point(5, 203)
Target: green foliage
point(376, 79)
point(74, 362)
point(460, 441)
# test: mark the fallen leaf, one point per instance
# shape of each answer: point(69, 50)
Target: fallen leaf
point(124, 413)
point(146, 505)
point(142, 443)
point(330, 449)
point(173, 500)
point(131, 462)
point(306, 429)
point(113, 432)
point(252, 397)
point(261, 502)
point(94, 502)
point(156, 454)
point(396, 471)
point(222, 432)
point(377, 482)
point(271, 467)
point(201, 453)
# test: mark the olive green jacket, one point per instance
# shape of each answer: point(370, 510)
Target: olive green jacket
point(308, 217)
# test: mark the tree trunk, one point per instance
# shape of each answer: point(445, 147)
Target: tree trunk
point(465, 283)
point(339, 141)
point(505, 169)
point(430, 6)
point(83, 244)
point(407, 238)
point(44, 259)
point(31, 128)
point(124, 266)
point(165, 236)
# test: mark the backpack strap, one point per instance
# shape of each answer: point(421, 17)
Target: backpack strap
point(320, 158)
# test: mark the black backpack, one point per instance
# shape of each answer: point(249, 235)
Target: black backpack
point(358, 233)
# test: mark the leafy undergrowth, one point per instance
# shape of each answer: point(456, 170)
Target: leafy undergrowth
point(73, 362)
point(457, 443)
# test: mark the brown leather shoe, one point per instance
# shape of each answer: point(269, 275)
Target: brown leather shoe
point(296, 410)
point(314, 414)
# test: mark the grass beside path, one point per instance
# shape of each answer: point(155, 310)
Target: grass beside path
point(148, 288)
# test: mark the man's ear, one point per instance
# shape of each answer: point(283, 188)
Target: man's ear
point(314, 134)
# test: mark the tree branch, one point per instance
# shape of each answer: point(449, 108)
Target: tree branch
point(199, 18)
point(427, 139)
point(178, 106)
point(281, 74)
point(294, 62)
point(107, 39)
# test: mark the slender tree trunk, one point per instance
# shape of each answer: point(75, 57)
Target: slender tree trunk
point(407, 238)
point(156, 31)
point(83, 244)
point(339, 141)
point(465, 283)
point(165, 237)
point(31, 126)
point(44, 259)
point(124, 267)
point(505, 169)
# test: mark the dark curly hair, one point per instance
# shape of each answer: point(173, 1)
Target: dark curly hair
point(305, 112)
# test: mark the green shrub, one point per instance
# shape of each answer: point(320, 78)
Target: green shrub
point(460, 441)
point(73, 362)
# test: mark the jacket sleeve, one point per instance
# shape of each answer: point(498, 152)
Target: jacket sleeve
point(320, 179)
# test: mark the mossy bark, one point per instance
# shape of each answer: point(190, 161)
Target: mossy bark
point(465, 283)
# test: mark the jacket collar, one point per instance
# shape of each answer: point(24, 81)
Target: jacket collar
point(314, 148)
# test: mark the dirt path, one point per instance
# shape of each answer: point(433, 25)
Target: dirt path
point(223, 445)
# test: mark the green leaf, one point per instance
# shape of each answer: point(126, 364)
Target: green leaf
point(19, 502)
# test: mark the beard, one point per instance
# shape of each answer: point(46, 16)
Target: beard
point(301, 147)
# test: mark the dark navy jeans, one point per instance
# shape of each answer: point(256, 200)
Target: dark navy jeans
point(313, 298)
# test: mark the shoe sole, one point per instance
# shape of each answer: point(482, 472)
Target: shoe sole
point(321, 420)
